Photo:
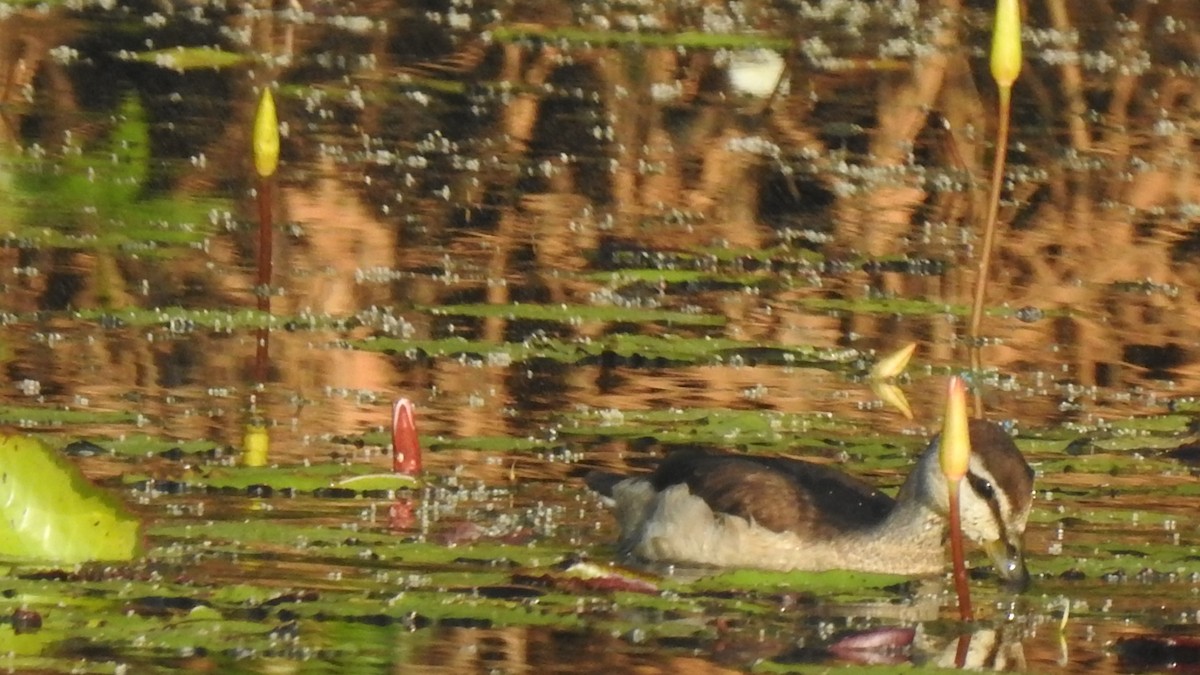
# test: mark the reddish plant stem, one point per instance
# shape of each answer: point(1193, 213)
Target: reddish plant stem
point(958, 558)
point(263, 287)
point(262, 356)
point(265, 242)
point(963, 648)
point(989, 242)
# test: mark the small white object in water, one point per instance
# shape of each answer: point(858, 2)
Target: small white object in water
point(757, 72)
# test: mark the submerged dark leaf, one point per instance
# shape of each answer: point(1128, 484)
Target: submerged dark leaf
point(1188, 453)
point(83, 449)
point(1152, 652)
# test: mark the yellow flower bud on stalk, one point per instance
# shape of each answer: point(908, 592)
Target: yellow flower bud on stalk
point(955, 457)
point(1006, 43)
point(1005, 66)
point(266, 136)
point(955, 447)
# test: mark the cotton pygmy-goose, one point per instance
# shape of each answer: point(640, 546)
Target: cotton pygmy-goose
point(704, 508)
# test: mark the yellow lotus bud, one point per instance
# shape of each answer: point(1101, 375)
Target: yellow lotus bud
point(255, 444)
point(955, 449)
point(1006, 43)
point(266, 136)
point(893, 364)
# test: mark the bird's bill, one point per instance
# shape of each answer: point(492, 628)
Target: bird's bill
point(1010, 564)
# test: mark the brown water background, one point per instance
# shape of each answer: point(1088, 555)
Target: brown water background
point(612, 155)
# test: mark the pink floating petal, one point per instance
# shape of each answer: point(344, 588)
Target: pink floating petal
point(875, 640)
point(878, 647)
point(406, 449)
point(459, 534)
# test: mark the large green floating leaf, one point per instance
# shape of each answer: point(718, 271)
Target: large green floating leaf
point(50, 513)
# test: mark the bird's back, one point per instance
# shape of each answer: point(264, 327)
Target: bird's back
point(780, 494)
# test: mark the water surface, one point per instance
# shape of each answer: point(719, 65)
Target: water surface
point(577, 237)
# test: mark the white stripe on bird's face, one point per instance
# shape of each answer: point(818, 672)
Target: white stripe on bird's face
point(989, 512)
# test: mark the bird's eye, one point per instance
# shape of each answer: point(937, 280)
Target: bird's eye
point(982, 487)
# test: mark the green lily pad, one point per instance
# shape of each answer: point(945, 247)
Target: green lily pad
point(191, 58)
point(623, 277)
point(28, 416)
point(832, 582)
point(714, 425)
point(695, 39)
point(575, 314)
point(294, 477)
point(380, 481)
point(650, 348)
point(182, 319)
point(1156, 423)
point(50, 513)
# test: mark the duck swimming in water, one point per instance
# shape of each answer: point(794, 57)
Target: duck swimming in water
point(727, 510)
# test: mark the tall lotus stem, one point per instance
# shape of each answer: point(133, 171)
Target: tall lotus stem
point(1006, 67)
point(955, 457)
point(265, 141)
point(266, 160)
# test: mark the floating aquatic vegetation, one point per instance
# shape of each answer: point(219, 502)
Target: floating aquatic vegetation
point(840, 584)
point(31, 417)
point(66, 202)
point(50, 513)
point(577, 314)
point(189, 58)
point(624, 277)
point(326, 479)
point(695, 39)
point(750, 430)
point(631, 349)
point(182, 320)
point(303, 566)
point(140, 445)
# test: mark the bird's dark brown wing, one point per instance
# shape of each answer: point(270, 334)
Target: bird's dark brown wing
point(778, 493)
point(603, 482)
